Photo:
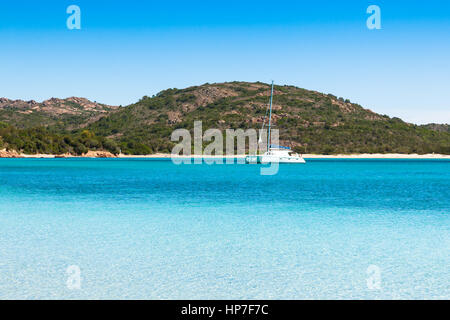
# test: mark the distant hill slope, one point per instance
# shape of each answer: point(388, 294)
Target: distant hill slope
point(66, 113)
point(437, 127)
point(309, 122)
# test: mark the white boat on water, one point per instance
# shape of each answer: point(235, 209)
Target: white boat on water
point(274, 153)
point(278, 154)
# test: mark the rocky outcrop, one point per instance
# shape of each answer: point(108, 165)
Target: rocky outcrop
point(90, 154)
point(9, 154)
point(78, 112)
point(99, 154)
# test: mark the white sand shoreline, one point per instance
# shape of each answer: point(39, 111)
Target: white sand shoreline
point(105, 154)
point(319, 156)
point(306, 156)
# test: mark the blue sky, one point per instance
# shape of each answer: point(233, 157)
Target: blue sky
point(128, 49)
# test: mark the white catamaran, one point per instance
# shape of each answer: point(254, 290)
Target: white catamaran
point(274, 153)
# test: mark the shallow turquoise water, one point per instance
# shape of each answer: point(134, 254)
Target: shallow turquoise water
point(149, 229)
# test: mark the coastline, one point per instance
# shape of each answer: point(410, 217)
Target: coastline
point(314, 156)
point(104, 154)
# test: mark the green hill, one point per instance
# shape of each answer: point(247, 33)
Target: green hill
point(308, 121)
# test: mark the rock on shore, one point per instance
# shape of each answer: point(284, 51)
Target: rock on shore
point(90, 154)
point(9, 154)
point(99, 154)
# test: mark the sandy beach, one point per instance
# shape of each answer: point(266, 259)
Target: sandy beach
point(104, 154)
point(378, 156)
point(315, 156)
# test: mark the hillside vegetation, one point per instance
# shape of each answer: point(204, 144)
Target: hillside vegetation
point(437, 127)
point(308, 121)
point(45, 141)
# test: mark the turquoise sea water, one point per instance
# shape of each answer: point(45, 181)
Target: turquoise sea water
point(149, 229)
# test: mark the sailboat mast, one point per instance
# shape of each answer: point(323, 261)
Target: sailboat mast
point(270, 118)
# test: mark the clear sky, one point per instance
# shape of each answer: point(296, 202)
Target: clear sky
point(128, 49)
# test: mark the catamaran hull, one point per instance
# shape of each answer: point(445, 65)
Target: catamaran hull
point(269, 159)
